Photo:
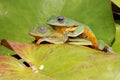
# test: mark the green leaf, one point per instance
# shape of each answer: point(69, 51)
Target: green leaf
point(117, 2)
point(116, 45)
point(67, 62)
point(17, 17)
point(61, 62)
point(12, 69)
point(9, 64)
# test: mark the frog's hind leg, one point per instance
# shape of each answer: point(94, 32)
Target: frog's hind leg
point(84, 33)
point(78, 41)
point(89, 35)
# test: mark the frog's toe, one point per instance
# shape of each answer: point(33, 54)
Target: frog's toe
point(108, 49)
point(34, 41)
point(39, 41)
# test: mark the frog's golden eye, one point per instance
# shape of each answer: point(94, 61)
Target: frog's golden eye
point(60, 19)
point(42, 29)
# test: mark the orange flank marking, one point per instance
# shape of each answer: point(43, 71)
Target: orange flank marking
point(60, 29)
point(56, 35)
point(87, 34)
point(90, 36)
point(64, 29)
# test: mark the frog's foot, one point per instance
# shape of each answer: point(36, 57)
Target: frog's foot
point(104, 47)
point(39, 41)
point(78, 41)
point(76, 25)
point(108, 49)
point(78, 30)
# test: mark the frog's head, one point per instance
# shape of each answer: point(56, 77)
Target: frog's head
point(41, 31)
point(61, 21)
point(47, 34)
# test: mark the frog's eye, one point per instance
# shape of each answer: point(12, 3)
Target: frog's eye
point(42, 29)
point(60, 19)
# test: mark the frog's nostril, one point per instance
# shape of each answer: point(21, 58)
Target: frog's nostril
point(42, 29)
point(61, 19)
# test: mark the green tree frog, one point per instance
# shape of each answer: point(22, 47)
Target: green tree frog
point(46, 34)
point(74, 29)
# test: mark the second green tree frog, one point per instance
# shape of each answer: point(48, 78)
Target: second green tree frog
point(45, 34)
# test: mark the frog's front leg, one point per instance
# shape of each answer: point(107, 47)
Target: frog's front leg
point(77, 31)
point(39, 41)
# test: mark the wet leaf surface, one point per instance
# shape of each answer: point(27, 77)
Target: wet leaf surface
point(66, 62)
